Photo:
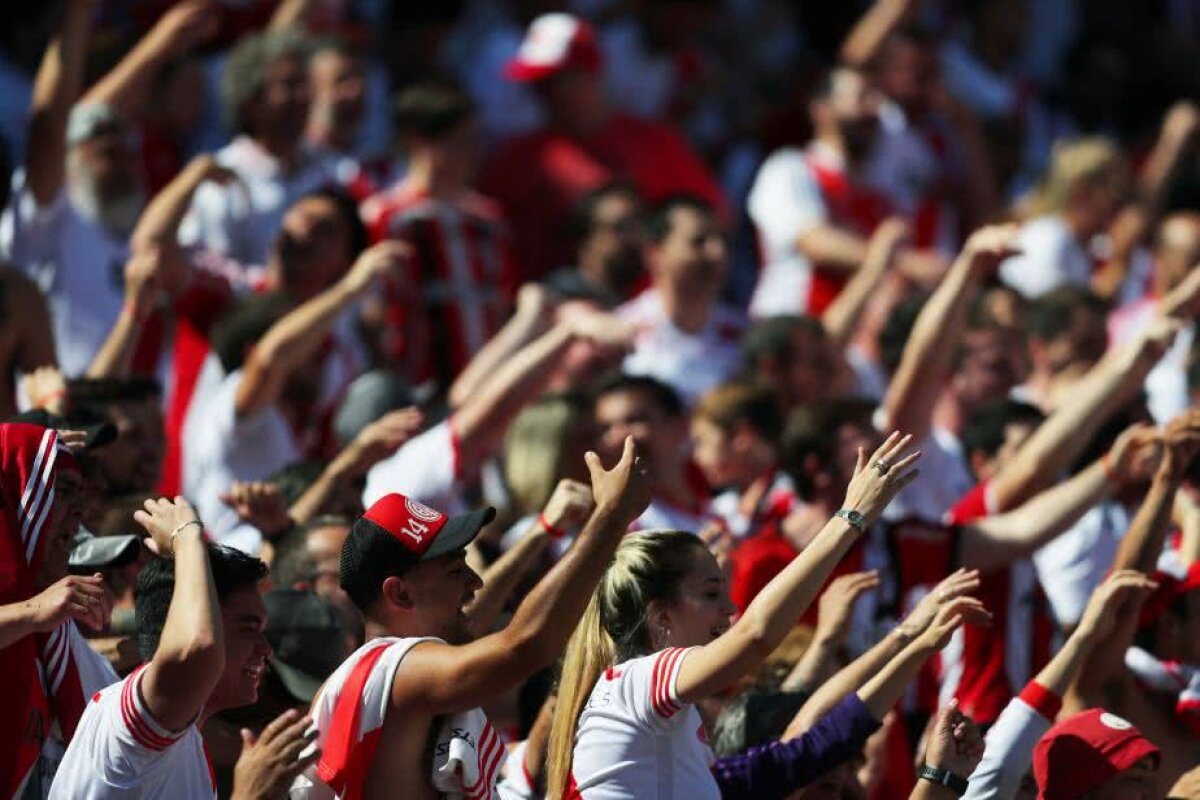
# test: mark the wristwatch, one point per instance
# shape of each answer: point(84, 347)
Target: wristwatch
point(855, 518)
point(944, 777)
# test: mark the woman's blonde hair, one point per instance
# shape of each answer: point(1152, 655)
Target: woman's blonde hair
point(648, 566)
point(1091, 159)
point(536, 450)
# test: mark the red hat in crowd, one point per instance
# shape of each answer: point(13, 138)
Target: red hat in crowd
point(1083, 752)
point(553, 43)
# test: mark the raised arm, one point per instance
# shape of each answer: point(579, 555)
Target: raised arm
point(115, 358)
point(128, 86)
point(55, 89)
point(926, 363)
point(292, 342)
point(835, 611)
point(841, 317)
point(442, 679)
point(866, 39)
point(707, 670)
point(26, 307)
point(191, 651)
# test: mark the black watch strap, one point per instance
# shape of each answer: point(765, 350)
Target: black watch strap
point(944, 777)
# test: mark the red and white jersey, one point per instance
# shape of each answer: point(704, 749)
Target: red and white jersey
point(426, 468)
point(985, 667)
point(663, 514)
point(462, 271)
point(778, 501)
point(943, 479)
point(636, 740)
point(120, 752)
point(349, 715)
point(794, 192)
point(691, 363)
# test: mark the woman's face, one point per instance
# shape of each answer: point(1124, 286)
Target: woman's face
point(702, 610)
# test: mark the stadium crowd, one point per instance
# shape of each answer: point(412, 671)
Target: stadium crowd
point(600, 399)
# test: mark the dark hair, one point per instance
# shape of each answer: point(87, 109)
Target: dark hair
point(899, 326)
point(659, 222)
point(754, 718)
point(231, 570)
point(431, 109)
point(812, 432)
point(292, 564)
point(772, 337)
point(984, 431)
point(1052, 314)
point(96, 394)
point(295, 478)
point(249, 321)
point(753, 404)
point(584, 212)
point(347, 209)
point(661, 394)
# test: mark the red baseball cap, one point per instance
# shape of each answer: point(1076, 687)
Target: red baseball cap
point(553, 43)
point(1083, 752)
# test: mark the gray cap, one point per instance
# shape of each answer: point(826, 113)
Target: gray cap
point(369, 397)
point(89, 119)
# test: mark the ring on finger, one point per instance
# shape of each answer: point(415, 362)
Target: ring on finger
point(882, 467)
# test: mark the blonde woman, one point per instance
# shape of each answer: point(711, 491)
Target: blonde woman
point(656, 638)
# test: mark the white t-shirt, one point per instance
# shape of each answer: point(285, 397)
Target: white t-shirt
point(1050, 257)
point(944, 478)
point(1167, 384)
point(662, 515)
point(242, 220)
point(120, 752)
point(426, 469)
point(77, 264)
point(1072, 565)
point(220, 447)
point(636, 740)
point(691, 363)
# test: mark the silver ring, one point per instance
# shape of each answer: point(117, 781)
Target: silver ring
point(882, 467)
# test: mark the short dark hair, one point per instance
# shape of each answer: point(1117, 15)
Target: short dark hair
point(659, 221)
point(431, 109)
point(295, 478)
point(743, 402)
point(347, 209)
point(97, 394)
point(292, 564)
point(584, 212)
point(899, 326)
point(1051, 315)
point(249, 321)
point(661, 394)
point(772, 337)
point(812, 431)
point(984, 431)
point(231, 570)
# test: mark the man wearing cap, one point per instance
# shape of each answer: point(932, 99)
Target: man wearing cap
point(404, 566)
point(1096, 755)
point(539, 177)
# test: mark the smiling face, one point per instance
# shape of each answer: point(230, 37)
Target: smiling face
point(244, 621)
point(433, 594)
point(701, 610)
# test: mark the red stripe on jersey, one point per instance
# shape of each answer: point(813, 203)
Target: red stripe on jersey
point(660, 684)
point(484, 749)
point(137, 726)
point(346, 758)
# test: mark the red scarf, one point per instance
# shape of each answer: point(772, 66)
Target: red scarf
point(38, 680)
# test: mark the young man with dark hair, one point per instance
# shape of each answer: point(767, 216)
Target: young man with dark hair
point(461, 277)
point(683, 334)
point(606, 230)
point(1067, 336)
point(414, 689)
point(794, 356)
point(200, 625)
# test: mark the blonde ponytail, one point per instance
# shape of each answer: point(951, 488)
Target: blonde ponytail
point(589, 652)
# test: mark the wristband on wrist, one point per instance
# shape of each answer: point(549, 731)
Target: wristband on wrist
point(944, 777)
point(179, 528)
point(551, 531)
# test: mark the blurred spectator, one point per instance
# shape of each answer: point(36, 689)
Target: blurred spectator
point(1065, 331)
point(133, 461)
point(608, 261)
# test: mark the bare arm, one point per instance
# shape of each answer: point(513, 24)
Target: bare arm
point(35, 338)
point(708, 669)
point(442, 679)
point(115, 358)
point(291, 343)
point(834, 614)
point(841, 317)
point(291, 14)
point(866, 39)
point(926, 363)
point(190, 657)
point(57, 85)
point(127, 87)
point(833, 247)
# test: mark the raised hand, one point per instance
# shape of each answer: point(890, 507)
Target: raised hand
point(877, 480)
point(990, 245)
point(1157, 338)
point(186, 25)
point(389, 258)
point(46, 388)
point(718, 539)
point(1108, 602)
point(380, 439)
point(623, 490)
point(836, 607)
point(956, 743)
point(1134, 455)
point(143, 280)
point(261, 504)
point(950, 618)
point(270, 761)
point(164, 519)
point(957, 584)
point(1181, 442)
point(569, 505)
point(81, 598)
point(601, 329)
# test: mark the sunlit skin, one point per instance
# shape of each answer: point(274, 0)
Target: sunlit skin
point(312, 249)
point(660, 439)
point(60, 527)
point(689, 264)
point(339, 92)
point(243, 623)
point(611, 255)
point(428, 600)
point(699, 613)
point(849, 117)
point(278, 114)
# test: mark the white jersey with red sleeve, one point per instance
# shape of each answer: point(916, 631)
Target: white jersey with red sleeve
point(120, 752)
point(349, 715)
point(637, 740)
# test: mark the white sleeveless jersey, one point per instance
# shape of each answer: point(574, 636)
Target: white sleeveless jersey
point(637, 741)
point(349, 715)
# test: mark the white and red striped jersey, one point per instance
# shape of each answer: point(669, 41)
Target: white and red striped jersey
point(662, 514)
point(120, 752)
point(349, 715)
point(794, 192)
point(462, 279)
point(690, 363)
point(636, 739)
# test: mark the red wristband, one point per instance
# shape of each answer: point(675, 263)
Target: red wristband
point(1041, 700)
point(551, 531)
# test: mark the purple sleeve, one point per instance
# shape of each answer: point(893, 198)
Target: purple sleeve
point(775, 769)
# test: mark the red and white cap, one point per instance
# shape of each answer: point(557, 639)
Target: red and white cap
point(553, 43)
point(1083, 752)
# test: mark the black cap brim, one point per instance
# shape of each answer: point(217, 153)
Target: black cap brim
point(105, 551)
point(458, 532)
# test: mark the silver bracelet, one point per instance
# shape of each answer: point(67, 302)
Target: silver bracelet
point(183, 525)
